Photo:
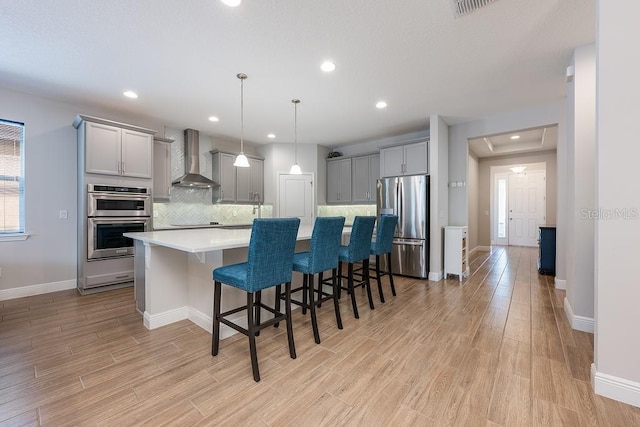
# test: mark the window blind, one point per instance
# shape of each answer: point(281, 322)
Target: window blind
point(11, 177)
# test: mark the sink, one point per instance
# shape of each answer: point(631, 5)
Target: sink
point(236, 227)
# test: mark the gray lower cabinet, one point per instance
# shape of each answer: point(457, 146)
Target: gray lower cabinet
point(339, 181)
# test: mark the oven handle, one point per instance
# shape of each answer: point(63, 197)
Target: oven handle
point(119, 220)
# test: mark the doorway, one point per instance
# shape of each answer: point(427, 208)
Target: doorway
point(295, 197)
point(518, 205)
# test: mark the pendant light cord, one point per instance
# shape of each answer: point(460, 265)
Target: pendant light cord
point(295, 132)
point(242, 115)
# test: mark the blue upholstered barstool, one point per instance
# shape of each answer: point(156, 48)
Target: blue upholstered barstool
point(322, 256)
point(358, 250)
point(383, 246)
point(269, 263)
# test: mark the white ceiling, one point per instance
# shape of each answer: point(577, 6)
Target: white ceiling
point(529, 140)
point(182, 58)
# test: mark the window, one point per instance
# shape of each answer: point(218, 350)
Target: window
point(11, 178)
point(502, 208)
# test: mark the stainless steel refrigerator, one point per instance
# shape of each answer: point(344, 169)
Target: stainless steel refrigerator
point(407, 197)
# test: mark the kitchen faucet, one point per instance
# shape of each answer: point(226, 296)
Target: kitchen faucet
point(257, 204)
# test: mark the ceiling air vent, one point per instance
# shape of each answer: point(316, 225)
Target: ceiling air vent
point(465, 7)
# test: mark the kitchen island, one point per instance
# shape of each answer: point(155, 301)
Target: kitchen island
point(173, 273)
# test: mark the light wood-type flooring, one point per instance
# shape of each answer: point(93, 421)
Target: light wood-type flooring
point(493, 350)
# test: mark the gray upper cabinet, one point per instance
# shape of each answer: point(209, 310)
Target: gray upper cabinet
point(161, 169)
point(112, 148)
point(409, 159)
point(250, 181)
point(366, 171)
point(237, 184)
point(339, 181)
point(224, 173)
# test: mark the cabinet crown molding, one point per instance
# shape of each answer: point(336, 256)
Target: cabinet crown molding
point(84, 118)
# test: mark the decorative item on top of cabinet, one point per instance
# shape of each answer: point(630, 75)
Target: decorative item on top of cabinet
point(366, 171)
point(408, 159)
point(113, 148)
point(456, 251)
point(339, 181)
point(237, 184)
point(161, 169)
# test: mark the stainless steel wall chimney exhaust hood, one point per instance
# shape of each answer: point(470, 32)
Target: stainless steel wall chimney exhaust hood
point(192, 178)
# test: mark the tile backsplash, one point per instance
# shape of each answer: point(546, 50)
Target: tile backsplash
point(190, 213)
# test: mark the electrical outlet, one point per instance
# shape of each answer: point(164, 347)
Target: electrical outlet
point(63, 214)
point(155, 213)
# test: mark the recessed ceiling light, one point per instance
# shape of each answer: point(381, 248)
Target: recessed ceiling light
point(232, 3)
point(515, 136)
point(130, 94)
point(381, 104)
point(328, 66)
point(214, 119)
point(271, 135)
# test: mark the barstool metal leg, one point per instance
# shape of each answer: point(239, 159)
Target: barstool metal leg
point(305, 285)
point(287, 301)
point(379, 279)
point(215, 340)
point(312, 307)
point(336, 305)
point(276, 305)
point(365, 272)
point(393, 288)
point(251, 329)
point(352, 291)
point(256, 307)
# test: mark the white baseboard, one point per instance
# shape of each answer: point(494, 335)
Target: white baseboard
point(579, 323)
point(435, 276)
point(153, 321)
point(482, 249)
point(561, 284)
point(615, 388)
point(44, 288)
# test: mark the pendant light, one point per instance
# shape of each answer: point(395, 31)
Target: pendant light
point(518, 169)
point(295, 169)
point(241, 160)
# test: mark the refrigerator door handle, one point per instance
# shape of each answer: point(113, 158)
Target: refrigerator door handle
point(399, 204)
point(408, 242)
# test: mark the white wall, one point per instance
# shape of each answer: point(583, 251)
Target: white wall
point(581, 152)
point(617, 344)
point(48, 256)
point(279, 158)
point(473, 194)
point(439, 200)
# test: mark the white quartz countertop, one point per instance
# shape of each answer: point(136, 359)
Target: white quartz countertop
point(205, 239)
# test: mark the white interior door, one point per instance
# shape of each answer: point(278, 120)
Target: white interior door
point(295, 197)
point(526, 207)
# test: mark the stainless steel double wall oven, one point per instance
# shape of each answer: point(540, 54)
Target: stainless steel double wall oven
point(111, 212)
point(105, 256)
